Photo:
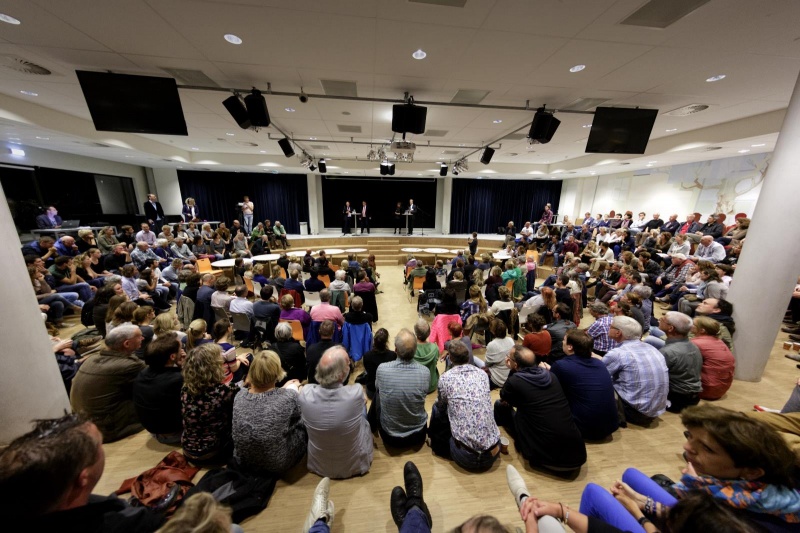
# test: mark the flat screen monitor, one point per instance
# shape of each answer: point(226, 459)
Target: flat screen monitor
point(133, 104)
point(620, 130)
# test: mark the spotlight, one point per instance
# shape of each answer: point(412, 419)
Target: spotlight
point(306, 160)
point(443, 170)
point(372, 156)
point(257, 109)
point(455, 172)
point(286, 146)
point(303, 96)
point(486, 158)
point(322, 167)
point(381, 154)
point(312, 168)
point(460, 166)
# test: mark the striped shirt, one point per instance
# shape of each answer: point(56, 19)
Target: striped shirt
point(402, 386)
point(640, 376)
point(599, 332)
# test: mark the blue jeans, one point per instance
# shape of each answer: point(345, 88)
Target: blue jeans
point(320, 526)
point(654, 339)
point(248, 224)
point(83, 289)
point(415, 522)
point(599, 503)
point(464, 457)
point(68, 299)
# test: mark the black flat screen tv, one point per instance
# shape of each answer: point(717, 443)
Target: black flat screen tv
point(133, 104)
point(620, 130)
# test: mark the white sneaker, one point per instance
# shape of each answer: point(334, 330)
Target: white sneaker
point(321, 507)
point(517, 485)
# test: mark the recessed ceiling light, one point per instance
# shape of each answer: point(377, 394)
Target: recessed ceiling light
point(577, 68)
point(587, 125)
point(648, 165)
point(671, 130)
point(592, 173)
point(13, 139)
point(757, 145)
point(498, 121)
point(744, 151)
point(716, 78)
point(262, 151)
point(230, 134)
point(233, 39)
point(312, 138)
point(29, 93)
point(652, 162)
point(8, 19)
point(18, 152)
point(43, 138)
point(289, 109)
point(346, 172)
point(194, 148)
point(462, 144)
point(128, 156)
point(419, 54)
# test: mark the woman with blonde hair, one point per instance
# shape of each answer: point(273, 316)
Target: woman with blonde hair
point(716, 375)
point(107, 239)
point(736, 234)
point(207, 407)
point(201, 513)
point(189, 211)
point(197, 334)
point(268, 433)
point(166, 322)
point(123, 316)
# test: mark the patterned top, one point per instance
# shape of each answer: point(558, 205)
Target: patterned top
point(599, 332)
point(640, 376)
point(464, 392)
point(268, 434)
point(207, 419)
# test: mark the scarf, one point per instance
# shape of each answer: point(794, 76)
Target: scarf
point(748, 495)
point(536, 376)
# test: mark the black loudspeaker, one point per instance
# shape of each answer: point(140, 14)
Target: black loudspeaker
point(544, 126)
point(407, 118)
point(443, 170)
point(238, 111)
point(257, 109)
point(391, 169)
point(486, 158)
point(286, 146)
point(322, 166)
point(384, 169)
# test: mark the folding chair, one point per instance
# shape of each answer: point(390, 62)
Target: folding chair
point(204, 267)
point(241, 322)
point(312, 299)
point(220, 313)
point(297, 329)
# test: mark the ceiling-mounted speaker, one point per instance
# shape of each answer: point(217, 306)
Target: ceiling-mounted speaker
point(544, 127)
point(238, 111)
point(384, 169)
point(257, 109)
point(443, 170)
point(486, 158)
point(286, 146)
point(323, 168)
point(409, 118)
point(391, 169)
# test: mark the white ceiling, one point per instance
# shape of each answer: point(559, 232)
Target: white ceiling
point(518, 50)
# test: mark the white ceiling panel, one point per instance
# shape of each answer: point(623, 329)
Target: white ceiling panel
point(543, 17)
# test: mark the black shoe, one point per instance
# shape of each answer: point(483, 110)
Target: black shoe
point(791, 329)
point(413, 482)
point(398, 505)
point(794, 337)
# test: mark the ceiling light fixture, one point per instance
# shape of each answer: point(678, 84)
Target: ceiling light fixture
point(194, 148)
point(757, 145)
point(587, 125)
point(17, 152)
point(312, 138)
point(8, 19)
point(497, 121)
point(262, 151)
point(229, 134)
point(289, 109)
point(29, 93)
point(43, 138)
point(419, 54)
point(577, 68)
point(744, 151)
point(306, 161)
point(233, 39)
point(716, 78)
point(371, 155)
point(671, 130)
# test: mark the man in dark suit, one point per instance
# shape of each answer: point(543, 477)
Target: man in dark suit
point(153, 211)
point(49, 220)
point(412, 209)
point(364, 217)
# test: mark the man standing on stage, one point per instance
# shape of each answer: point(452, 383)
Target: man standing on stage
point(412, 211)
point(364, 217)
point(347, 217)
point(247, 213)
point(398, 219)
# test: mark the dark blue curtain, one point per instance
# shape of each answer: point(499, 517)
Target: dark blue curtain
point(281, 197)
point(485, 205)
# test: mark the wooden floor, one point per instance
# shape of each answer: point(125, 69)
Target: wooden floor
point(453, 495)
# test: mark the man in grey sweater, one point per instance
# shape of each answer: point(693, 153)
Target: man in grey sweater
point(684, 362)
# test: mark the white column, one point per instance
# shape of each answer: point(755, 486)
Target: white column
point(313, 183)
point(447, 199)
point(30, 383)
point(768, 268)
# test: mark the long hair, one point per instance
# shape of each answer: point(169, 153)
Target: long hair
point(203, 368)
point(549, 297)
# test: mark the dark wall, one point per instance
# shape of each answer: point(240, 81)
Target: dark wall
point(281, 197)
point(484, 205)
point(381, 195)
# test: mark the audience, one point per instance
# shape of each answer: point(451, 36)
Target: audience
point(379, 354)
point(716, 374)
point(427, 353)
point(684, 362)
point(326, 311)
point(497, 352)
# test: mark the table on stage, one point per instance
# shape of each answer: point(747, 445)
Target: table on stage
point(269, 258)
point(435, 252)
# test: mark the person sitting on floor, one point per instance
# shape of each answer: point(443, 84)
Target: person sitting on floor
point(684, 362)
point(638, 372)
point(719, 365)
point(462, 425)
point(427, 353)
point(535, 412)
point(339, 439)
point(497, 352)
point(401, 387)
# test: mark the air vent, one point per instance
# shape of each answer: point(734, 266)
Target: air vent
point(443, 3)
point(712, 148)
point(190, 77)
point(687, 110)
point(435, 133)
point(344, 128)
point(339, 88)
point(246, 143)
point(320, 147)
point(18, 64)
point(662, 13)
point(451, 152)
point(469, 96)
point(624, 163)
point(584, 104)
point(515, 136)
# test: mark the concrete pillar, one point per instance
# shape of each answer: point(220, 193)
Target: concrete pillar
point(768, 269)
point(446, 187)
point(30, 383)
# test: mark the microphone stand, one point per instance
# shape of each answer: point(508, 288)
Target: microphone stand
point(421, 212)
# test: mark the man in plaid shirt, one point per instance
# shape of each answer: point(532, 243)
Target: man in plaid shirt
point(674, 275)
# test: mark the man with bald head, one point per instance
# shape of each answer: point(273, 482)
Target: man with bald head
point(672, 225)
point(339, 439)
point(708, 250)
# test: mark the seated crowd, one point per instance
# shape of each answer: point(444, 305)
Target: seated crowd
point(179, 376)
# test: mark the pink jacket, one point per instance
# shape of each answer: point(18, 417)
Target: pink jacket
point(439, 332)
